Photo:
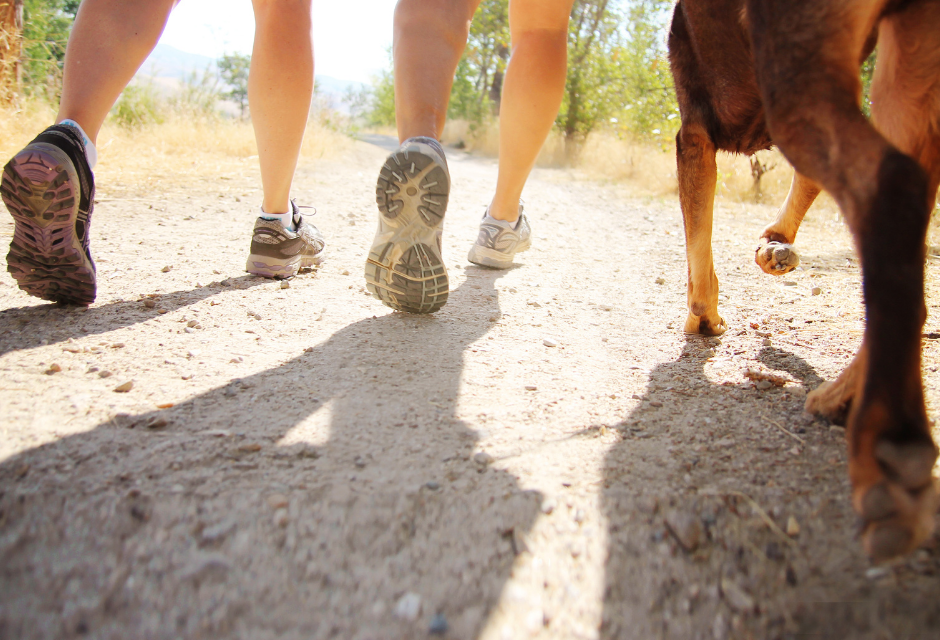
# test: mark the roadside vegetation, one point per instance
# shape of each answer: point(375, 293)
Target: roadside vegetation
point(618, 119)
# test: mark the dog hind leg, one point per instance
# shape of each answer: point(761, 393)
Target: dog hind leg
point(806, 55)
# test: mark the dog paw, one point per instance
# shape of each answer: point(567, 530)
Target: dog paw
point(830, 400)
point(898, 503)
point(706, 325)
point(776, 258)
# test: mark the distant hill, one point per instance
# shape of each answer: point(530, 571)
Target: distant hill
point(168, 66)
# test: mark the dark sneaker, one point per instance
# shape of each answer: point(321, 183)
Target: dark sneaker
point(49, 190)
point(498, 242)
point(277, 252)
point(405, 269)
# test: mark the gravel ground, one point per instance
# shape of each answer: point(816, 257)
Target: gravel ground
point(549, 456)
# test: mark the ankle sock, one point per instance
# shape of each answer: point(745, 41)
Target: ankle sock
point(286, 219)
point(514, 224)
point(91, 153)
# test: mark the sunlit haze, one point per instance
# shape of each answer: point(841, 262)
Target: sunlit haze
point(350, 38)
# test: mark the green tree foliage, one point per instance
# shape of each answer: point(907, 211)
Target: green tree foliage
point(618, 73)
point(381, 110)
point(233, 69)
point(46, 27)
point(478, 84)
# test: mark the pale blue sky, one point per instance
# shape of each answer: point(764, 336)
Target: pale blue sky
point(350, 38)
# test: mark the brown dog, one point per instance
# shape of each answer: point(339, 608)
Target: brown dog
point(751, 71)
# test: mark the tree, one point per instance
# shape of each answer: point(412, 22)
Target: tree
point(11, 41)
point(478, 85)
point(46, 27)
point(233, 69)
point(617, 70)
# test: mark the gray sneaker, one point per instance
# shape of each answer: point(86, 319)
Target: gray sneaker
point(277, 252)
point(405, 269)
point(498, 242)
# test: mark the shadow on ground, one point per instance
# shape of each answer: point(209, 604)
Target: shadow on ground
point(61, 322)
point(691, 555)
point(335, 496)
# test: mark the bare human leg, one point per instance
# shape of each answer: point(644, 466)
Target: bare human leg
point(532, 93)
point(110, 40)
point(280, 89)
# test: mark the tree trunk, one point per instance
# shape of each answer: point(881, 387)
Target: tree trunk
point(11, 45)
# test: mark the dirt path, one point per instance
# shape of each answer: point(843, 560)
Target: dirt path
point(325, 468)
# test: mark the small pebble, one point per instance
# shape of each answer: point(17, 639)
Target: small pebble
point(285, 284)
point(816, 291)
point(217, 533)
point(124, 388)
point(579, 516)
point(767, 342)
point(345, 273)
point(494, 318)
point(482, 458)
point(793, 527)
point(149, 303)
point(660, 281)
point(167, 268)
point(189, 330)
point(548, 505)
point(738, 599)
point(763, 385)
point(277, 501)
point(549, 343)
point(252, 314)
point(53, 368)
point(708, 353)
point(281, 519)
point(876, 572)
point(531, 387)
point(686, 529)
point(193, 323)
point(438, 625)
point(161, 311)
point(433, 486)
point(408, 607)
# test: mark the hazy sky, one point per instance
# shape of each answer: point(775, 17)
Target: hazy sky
point(350, 38)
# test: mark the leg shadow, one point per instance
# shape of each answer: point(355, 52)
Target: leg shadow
point(335, 496)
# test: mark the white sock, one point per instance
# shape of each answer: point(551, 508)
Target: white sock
point(91, 153)
point(286, 219)
point(514, 225)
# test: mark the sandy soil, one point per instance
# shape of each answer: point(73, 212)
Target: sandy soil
point(304, 463)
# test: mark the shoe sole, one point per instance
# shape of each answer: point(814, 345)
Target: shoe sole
point(405, 269)
point(40, 188)
point(280, 269)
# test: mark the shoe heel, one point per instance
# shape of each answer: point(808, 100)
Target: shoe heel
point(272, 268)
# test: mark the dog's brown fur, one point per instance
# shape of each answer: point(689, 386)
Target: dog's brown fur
point(748, 71)
point(721, 109)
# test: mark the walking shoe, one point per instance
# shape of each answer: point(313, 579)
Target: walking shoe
point(405, 269)
point(49, 190)
point(499, 242)
point(280, 253)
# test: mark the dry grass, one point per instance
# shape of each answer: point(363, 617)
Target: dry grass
point(177, 153)
point(647, 168)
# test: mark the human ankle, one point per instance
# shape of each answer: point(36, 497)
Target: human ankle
point(91, 152)
point(286, 219)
